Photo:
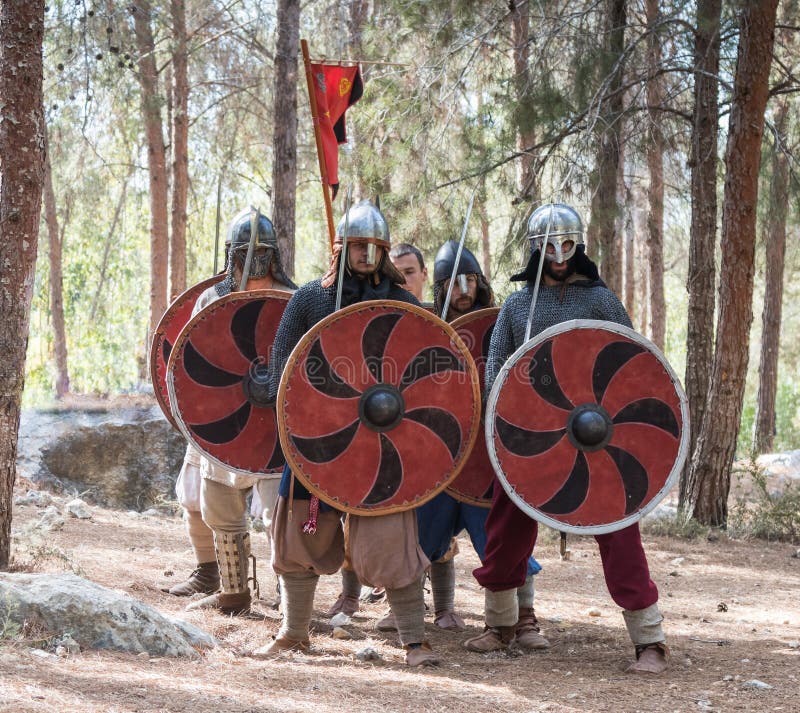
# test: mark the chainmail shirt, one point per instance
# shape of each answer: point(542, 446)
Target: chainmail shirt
point(579, 299)
point(309, 305)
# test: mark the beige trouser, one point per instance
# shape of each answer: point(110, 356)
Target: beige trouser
point(224, 508)
point(200, 536)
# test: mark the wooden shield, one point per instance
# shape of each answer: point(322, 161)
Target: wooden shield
point(380, 406)
point(169, 326)
point(587, 427)
point(216, 374)
point(474, 483)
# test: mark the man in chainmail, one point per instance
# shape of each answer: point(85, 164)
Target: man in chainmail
point(214, 498)
point(384, 550)
point(571, 289)
point(441, 519)
point(408, 261)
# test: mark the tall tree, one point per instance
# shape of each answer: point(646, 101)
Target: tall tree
point(525, 111)
point(775, 247)
point(180, 149)
point(55, 252)
point(22, 148)
point(703, 233)
point(655, 166)
point(602, 226)
point(716, 442)
point(284, 135)
point(156, 160)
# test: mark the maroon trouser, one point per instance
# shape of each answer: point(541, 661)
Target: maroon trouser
point(511, 537)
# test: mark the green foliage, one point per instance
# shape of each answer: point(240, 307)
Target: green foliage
point(772, 516)
point(9, 629)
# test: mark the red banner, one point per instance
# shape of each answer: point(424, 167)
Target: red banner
point(336, 88)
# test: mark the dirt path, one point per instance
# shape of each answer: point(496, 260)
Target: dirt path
point(743, 595)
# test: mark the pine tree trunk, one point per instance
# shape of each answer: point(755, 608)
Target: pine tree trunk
point(526, 135)
point(22, 148)
point(655, 165)
point(180, 151)
point(775, 242)
point(604, 202)
point(716, 442)
point(284, 138)
point(156, 162)
point(56, 281)
point(703, 233)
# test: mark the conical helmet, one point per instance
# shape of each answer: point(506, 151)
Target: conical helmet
point(446, 259)
point(557, 223)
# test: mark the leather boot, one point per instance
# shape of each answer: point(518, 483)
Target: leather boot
point(493, 638)
point(345, 604)
point(204, 580)
point(233, 553)
point(527, 631)
point(278, 646)
point(421, 655)
point(650, 659)
point(386, 623)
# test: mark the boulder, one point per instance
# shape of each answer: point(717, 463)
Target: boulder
point(124, 458)
point(96, 617)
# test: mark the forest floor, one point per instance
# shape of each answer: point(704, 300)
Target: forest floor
point(731, 614)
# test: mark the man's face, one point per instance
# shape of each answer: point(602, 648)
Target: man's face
point(559, 271)
point(408, 266)
point(259, 263)
point(357, 258)
point(461, 301)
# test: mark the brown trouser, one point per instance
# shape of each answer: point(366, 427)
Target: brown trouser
point(384, 550)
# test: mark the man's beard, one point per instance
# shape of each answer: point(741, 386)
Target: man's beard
point(559, 276)
point(462, 305)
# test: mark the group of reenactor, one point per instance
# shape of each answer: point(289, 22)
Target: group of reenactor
point(393, 553)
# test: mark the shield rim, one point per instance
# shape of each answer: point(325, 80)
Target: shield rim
point(283, 432)
point(491, 407)
point(158, 339)
point(455, 324)
point(187, 434)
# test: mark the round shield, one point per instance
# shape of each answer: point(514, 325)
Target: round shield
point(167, 330)
point(380, 407)
point(587, 427)
point(217, 377)
point(474, 483)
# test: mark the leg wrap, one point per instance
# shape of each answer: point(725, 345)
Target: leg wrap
point(408, 607)
point(525, 593)
point(201, 536)
point(443, 584)
point(351, 587)
point(233, 553)
point(502, 608)
point(644, 625)
point(297, 604)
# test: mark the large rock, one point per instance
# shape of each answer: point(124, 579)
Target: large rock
point(124, 458)
point(96, 617)
point(785, 467)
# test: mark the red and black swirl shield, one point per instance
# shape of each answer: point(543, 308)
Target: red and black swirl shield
point(167, 330)
point(587, 427)
point(474, 483)
point(217, 380)
point(380, 406)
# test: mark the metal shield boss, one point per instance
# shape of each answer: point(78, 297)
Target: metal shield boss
point(587, 427)
point(217, 373)
point(473, 484)
point(167, 330)
point(380, 407)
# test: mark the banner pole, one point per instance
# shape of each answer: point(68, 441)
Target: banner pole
point(323, 169)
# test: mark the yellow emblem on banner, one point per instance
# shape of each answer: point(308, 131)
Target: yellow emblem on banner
point(344, 86)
